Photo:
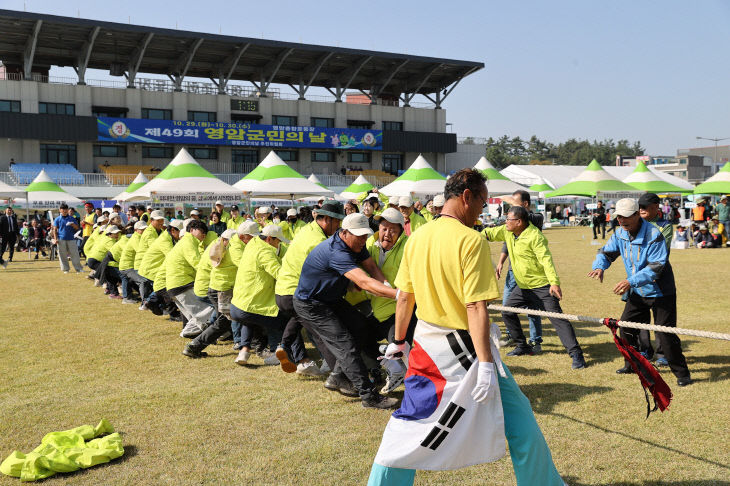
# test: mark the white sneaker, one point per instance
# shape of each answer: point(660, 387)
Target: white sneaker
point(5, 264)
point(309, 368)
point(243, 356)
point(97, 282)
point(129, 301)
point(271, 360)
point(325, 368)
point(395, 371)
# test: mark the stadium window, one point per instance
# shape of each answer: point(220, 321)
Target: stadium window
point(156, 114)
point(203, 153)
point(322, 156)
point(56, 153)
point(244, 160)
point(202, 116)
point(323, 122)
point(393, 125)
point(156, 152)
point(110, 150)
point(392, 163)
point(284, 120)
point(108, 112)
point(56, 108)
point(358, 157)
point(10, 105)
point(359, 125)
point(287, 155)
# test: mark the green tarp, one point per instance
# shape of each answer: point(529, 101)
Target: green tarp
point(66, 451)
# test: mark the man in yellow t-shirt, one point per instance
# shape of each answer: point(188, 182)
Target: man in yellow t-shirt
point(446, 272)
point(87, 223)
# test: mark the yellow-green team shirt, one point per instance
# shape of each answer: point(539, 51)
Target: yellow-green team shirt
point(256, 279)
point(447, 265)
point(155, 256)
point(149, 235)
point(234, 223)
point(130, 250)
point(223, 276)
point(291, 266)
point(202, 275)
point(117, 249)
point(383, 307)
point(235, 248)
point(290, 230)
point(182, 261)
point(102, 245)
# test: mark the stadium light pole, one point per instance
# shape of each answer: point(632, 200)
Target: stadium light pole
point(714, 161)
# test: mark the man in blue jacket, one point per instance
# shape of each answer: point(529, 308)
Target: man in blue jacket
point(649, 286)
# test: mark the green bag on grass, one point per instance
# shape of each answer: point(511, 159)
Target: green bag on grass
point(65, 451)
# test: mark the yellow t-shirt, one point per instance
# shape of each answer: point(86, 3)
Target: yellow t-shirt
point(447, 265)
point(89, 226)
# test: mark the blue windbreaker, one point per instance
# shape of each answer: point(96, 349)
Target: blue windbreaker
point(645, 258)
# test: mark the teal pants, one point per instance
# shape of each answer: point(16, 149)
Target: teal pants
point(531, 458)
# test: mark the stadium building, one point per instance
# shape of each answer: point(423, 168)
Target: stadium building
point(229, 100)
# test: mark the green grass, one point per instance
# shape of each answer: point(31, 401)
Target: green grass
point(70, 356)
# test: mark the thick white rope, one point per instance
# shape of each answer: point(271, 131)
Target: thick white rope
point(598, 320)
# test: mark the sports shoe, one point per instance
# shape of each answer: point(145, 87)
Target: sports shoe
point(394, 378)
point(684, 381)
point(6, 266)
point(129, 301)
point(143, 307)
point(340, 383)
point(520, 351)
point(191, 333)
point(283, 358)
point(376, 377)
point(309, 368)
point(662, 361)
point(271, 360)
point(578, 361)
point(508, 341)
point(227, 336)
point(192, 352)
point(536, 347)
point(237, 346)
point(90, 276)
point(115, 296)
point(626, 370)
point(376, 400)
point(243, 357)
point(4, 263)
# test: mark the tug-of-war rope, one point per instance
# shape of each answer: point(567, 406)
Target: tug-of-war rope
point(649, 376)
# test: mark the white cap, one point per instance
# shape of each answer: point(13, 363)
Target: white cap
point(194, 212)
point(439, 201)
point(112, 229)
point(140, 225)
point(264, 209)
point(113, 215)
point(157, 214)
point(393, 200)
point(228, 234)
point(357, 224)
point(275, 231)
point(291, 212)
point(405, 201)
point(178, 224)
point(219, 203)
point(248, 228)
point(392, 215)
point(101, 220)
point(149, 207)
point(626, 207)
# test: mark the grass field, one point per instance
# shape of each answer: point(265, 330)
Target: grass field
point(70, 356)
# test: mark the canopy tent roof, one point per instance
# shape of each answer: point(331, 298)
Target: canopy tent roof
point(138, 182)
point(184, 180)
point(645, 180)
point(541, 186)
point(273, 178)
point(313, 178)
point(43, 193)
point(7, 191)
point(717, 184)
point(592, 180)
point(497, 183)
point(358, 186)
point(420, 179)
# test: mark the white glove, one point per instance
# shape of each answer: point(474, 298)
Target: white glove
point(395, 351)
point(486, 383)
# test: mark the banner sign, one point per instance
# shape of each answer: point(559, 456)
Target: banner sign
point(196, 197)
point(135, 130)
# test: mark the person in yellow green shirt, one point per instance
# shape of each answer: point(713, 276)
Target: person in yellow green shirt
point(155, 225)
point(96, 232)
point(97, 258)
point(263, 216)
point(413, 220)
point(236, 219)
point(433, 208)
point(111, 275)
point(325, 225)
point(375, 198)
point(220, 209)
point(538, 285)
point(126, 261)
point(153, 268)
point(87, 223)
point(292, 224)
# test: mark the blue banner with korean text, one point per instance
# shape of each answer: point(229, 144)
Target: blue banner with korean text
point(135, 130)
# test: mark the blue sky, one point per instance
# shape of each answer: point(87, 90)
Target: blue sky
point(650, 71)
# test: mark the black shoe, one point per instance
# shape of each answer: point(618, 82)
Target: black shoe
point(175, 318)
point(154, 308)
point(340, 383)
point(36, 256)
point(376, 400)
point(192, 352)
point(520, 351)
point(684, 381)
point(626, 370)
point(376, 377)
point(227, 336)
point(578, 361)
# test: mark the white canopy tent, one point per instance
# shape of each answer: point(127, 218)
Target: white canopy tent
point(419, 180)
point(497, 183)
point(273, 178)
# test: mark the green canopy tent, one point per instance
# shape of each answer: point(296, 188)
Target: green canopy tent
point(717, 184)
point(354, 190)
point(497, 183)
point(592, 181)
point(645, 180)
point(419, 180)
point(541, 186)
point(138, 182)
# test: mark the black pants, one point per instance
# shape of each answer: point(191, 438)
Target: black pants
point(220, 326)
point(293, 330)
point(539, 299)
point(386, 329)
point(602, 226)
point(92, 263)
point(9, 242)
point(639, 309)
point(326, 319)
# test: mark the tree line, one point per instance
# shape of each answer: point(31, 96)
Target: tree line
point(505, 151)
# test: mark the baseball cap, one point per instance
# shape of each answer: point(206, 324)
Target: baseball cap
point(332, 208)
point(648, 198)
point(140, 225)
point(248, 228)
point(177, 224)
point(405, 201)
point(703, 226)
point(626, 207)
point(264, 209)
point(219, 203)
point(149, 207)
point(439, 201)
point(102, 219)
point(392, 215)
point(275, 231)
point(157, 214)
point(393, 200)
point(194, 212)
point(112, 229)
point(88, 204)
point(234, 207)
point(291, 212)
point(357, 224)
point(113, 215)
point(228, 234)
